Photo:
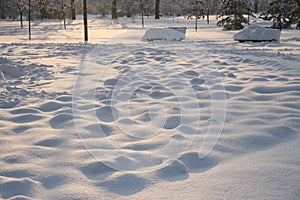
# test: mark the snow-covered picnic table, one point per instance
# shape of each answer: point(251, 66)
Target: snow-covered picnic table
point(169, 34)
point(257, 34)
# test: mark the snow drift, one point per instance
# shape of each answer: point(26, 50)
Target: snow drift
point(43, 157)
point(9, 69)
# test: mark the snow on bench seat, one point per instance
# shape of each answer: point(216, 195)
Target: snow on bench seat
point(169, 34)
point(257, 34)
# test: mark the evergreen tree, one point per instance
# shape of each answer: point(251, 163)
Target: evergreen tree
point(232, 14)
point(283, 13)
point(297, 14)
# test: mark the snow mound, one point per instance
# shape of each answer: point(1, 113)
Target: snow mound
point(163, 34)
point(8, 68)
point(257, 34)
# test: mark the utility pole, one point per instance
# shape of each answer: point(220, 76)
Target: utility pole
point(29, 19)
point(85, 21)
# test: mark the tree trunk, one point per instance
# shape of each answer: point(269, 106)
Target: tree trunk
point(63, 14)
point(235, 15)
point(85, 22)
point(19, 6)
point(103, 13)
point(207, 15)
point(157, 2)
point(114, 14)
point(102, 9)
point(73, 10)
point(29, 19)
point(142, 12)
point(256, 6)
point(21, 19)
point(64, 17)
point(128, 10)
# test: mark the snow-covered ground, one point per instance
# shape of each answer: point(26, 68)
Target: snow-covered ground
point(119, 118)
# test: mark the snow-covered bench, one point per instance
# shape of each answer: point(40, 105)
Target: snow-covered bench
point(257, 34)
point(169, 34)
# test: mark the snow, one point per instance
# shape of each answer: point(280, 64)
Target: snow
point(257, 33)
point(120, 118)
point(163, 34)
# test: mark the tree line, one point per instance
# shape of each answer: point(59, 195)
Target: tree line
point(52, 9)
point(232, 14)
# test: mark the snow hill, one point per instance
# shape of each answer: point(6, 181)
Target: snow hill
point(119, 118)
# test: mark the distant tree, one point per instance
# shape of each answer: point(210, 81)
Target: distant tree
point(9, 9)
point(255, 5)
point(149, 7)
point(114, 13)
point(45, 8)
point(262, 5)
point(20, 4)
point(205, 4)
point(2, 9)
point(283, 13)
point(62, 7)
point(42, 5)
point(73, 10)
point(101, 8)
point(166, 7)
point(128, 4)
point(128, 8)
point(157, 13)
point(297, 14)
point(232, 14)
point(183, 7)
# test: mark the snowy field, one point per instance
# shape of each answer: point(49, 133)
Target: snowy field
point(119, 118)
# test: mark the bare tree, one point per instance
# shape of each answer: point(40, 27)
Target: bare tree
point(157, 3)
point(20, 4)
point(29, 19)
point(73, 10)
point(43, 9)
point(63, 12)
point(114, 13)
point(206, 8)
point(85, 21)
